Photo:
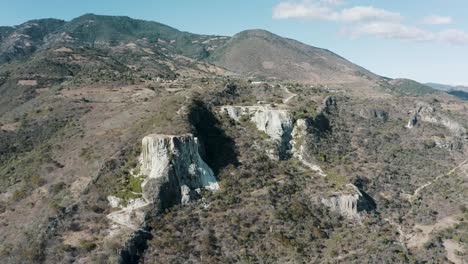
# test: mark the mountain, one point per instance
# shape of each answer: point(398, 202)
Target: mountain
point(263, 54)
point(445, 87)
point(129, 141)
point(458, 91)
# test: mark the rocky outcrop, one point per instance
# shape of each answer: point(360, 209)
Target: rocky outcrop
point(349, 202)
point(174, 169)
point(299, 135)
point(426, 113)
point(276, 123)
point(173, 172)
point(377, 114)
point(279, 125)
point(328, 105)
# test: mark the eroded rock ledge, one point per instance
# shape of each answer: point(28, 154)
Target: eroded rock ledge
point(426, 113)
point(174, 168)
point(276, 123)
point(349, 202)
point(173, 173)
point(279, 124)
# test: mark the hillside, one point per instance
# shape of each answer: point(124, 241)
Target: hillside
point(129, 141)
point(445, 87)
point(458, 91)
point(262, 54)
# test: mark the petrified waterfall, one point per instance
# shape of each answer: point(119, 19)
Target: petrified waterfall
point(174, 169)
point(276, 123)
point(348, 202)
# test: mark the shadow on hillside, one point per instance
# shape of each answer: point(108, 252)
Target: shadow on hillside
point(219, 150)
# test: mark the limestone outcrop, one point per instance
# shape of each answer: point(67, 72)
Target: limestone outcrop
point(298, 147)
point(349, 202)
point(279, 125)
point(426, 113)
point(174, 169)
point(276, 123)
point(173, 172)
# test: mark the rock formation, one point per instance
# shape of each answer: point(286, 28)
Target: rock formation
point(298, 147)
point(174, 173)
point(426, 113)
point(174, 168)
point(378, 114)
point(349, 202)
point(276, 123)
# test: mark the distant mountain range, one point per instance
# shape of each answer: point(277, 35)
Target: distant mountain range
point(257, 53)
point(458, 91)
point(445, 87)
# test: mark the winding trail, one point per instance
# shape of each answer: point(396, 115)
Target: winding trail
point(291, 95)
point(420, 189)
point(414, 240)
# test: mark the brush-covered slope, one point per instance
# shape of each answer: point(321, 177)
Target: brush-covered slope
point(263, 54)
point(102, 31)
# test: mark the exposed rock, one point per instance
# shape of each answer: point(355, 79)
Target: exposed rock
point(174, 170)
point(378, 114)
point(131, 216)
point(349, 202)
point(174, 173)
point(427, 113)
point(114, 201)
point(276, 123)
point(298, 147)
point(444, 143)
point(328, 105)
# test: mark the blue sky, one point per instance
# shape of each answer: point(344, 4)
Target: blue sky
point(425, 40)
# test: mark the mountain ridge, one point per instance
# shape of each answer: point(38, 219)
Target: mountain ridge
point(91, 29)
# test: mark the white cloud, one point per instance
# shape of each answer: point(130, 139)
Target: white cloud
point(325, 10)
point(363, 13)
point(453, 36)
point(437, 20)
point(368, 20)
point(392, 30)
point(302, 10)
point(403, 32)
point(332, 2)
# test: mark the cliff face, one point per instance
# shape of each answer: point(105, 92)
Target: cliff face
point(276, 123)
point(279, 124)
point(426, 113)
point(173, 172)
point(349, 202)
point(173, 166)
point(299, 135)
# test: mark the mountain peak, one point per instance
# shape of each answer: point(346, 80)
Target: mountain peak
point(260, 53)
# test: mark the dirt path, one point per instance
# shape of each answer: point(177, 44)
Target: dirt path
point(290, 95)
point(416, 193)
point(422, 233)
point(402, 236)
point(415, 238)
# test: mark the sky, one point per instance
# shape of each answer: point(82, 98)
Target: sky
point(424, 40)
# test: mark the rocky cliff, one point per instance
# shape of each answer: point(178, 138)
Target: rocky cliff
point(173, 172)
point(349, 202)
point(173, 166)
point(276, 123)
point(427, 113)
point(299, 135)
